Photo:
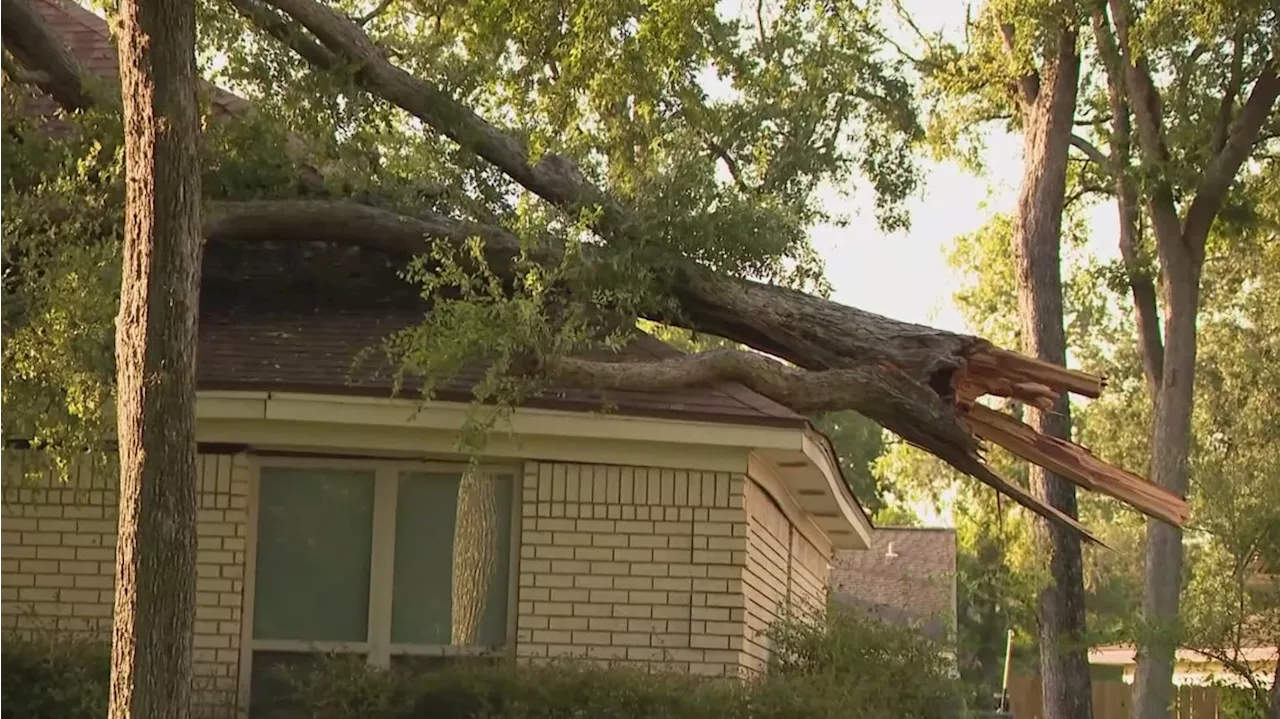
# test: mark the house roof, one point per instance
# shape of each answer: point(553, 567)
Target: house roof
point(262, 334)
point(907, 576)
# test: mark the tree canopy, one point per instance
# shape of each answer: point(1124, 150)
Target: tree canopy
point(571, 167)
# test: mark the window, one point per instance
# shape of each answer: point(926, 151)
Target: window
point(397, 563)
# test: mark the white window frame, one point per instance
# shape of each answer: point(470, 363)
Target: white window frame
point(378, 648)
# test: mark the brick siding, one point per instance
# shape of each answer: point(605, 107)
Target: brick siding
point(784, 572)
point(59, 561)
point(632, 565)
point(665, 569)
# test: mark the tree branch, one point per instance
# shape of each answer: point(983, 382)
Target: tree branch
point(553, 177)
point(874, 390)
point(289, 33)
point(1222, 169)
point(816, 334)
point(1144, 101)
point(353, 224)
point(39, 51)
point(1141, 285)
point(373, 14)
point(17, 74)
point(1028, 83)
point(730, 163)
point(1235, 83)
point(1242, 669)
point(1094, 154)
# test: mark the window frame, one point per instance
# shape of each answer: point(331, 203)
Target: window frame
point(378, 648)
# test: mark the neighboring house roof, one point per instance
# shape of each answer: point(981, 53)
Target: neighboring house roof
point(1122, 654)
point(260, 335)
point(1193, 668)
point(907, 576)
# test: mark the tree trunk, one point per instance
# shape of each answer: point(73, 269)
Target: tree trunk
point(1048, 114)
point(1170, 450)
point(151, 658)
point(474, 548)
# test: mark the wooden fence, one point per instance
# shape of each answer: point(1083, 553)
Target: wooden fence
point(1111, 700)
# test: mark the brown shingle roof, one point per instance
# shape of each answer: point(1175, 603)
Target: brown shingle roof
point(89, 40)
point(301, 350)
point(907, 576)
point(301, 327)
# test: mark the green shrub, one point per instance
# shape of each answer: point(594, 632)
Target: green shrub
point(837, 667)
point(54, 678)
point(878, 668)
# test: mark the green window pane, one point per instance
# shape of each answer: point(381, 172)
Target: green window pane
point(427, 570)
point(315, 532)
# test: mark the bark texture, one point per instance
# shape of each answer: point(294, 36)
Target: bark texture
point(151, 658)
point(475, 536)
point(1048, 113)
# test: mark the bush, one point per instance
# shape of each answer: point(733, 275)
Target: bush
point(840, 666)
point(875, 669)
point(837, 667)
point(54, 678)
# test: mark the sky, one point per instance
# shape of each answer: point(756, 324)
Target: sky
point(904, 275)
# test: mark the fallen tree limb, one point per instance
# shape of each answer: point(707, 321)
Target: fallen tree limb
point(878, 391)
point(351, 223)
point(45, 58)
point(1077, 464)
point(916, 381)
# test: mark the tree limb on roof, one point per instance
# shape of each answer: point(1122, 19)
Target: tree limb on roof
point(916, 381)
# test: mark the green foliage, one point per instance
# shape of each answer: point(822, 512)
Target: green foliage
point(48, 677)
point(1228, 606)
point(840, 666)
point(714, 130)
point(873, 668)
point(858, 442)
point(61, 231)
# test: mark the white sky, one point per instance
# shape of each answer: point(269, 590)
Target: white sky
point(905, 275)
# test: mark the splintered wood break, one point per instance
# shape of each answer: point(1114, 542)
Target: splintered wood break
point(1077, 464)
point(989, 370)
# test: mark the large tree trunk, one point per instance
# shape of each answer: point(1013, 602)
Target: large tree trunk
point(1049, 110)
point(151, 658)
point(1180, 246)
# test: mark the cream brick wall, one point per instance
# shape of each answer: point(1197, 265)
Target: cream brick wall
point(784, 571)
point(666, 569)
point(632, 565)
point(59, 560)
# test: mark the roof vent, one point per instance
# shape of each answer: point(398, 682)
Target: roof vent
point(889, 552)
